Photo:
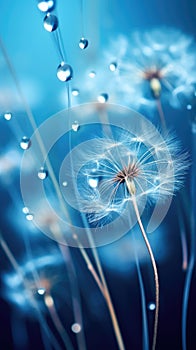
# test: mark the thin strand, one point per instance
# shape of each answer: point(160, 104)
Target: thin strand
point(143, 302)
point(75, 296)
point(57, 44)
point(82, 17)
point(183, 239)
point(191, 264)
point(107, 294)
point(161, 114)
point(156, 278)
point(57, 322)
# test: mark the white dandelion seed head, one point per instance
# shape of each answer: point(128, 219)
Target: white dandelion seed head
point(165, 53)
point(119, 153)
point(141, 155)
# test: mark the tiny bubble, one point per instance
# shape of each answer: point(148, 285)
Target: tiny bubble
point(76, 327)
point(25, 210)
point(189, 107)
point(25, 143)
point(75, 126)
point(113, 66)
point(92, 74)
point(42, 173)
point(41, 291)
point(65, 183)
point(46, 5)
point(29, 216)
point(7, 116)
point(75, 92)
point(93, 182)
point(83, 43)
point(64, 72)
point(50, 22)
point(151, 306)
point(102, 98)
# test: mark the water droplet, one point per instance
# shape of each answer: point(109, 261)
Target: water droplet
point(25, 143)
point(113, 66)
point(189, 107)
point(65, 183)
point(75, 126)
point(29, 216)
point(151, 306)
point(46, 6)
point(92, 74)
point(25, 210)
point(75, 92)
point(76, 327)
point(7, 116)
point(64, 72)
point(41, 291)
point(102, 98)
point(42, 173)
point(83, 43)
point(93, 182)
point(50, 22)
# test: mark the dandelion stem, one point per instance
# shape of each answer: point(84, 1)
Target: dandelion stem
point(106, 292)
point(112, 312)
point(102, 284)
point(75, 295)
point(143, 302)
point(161, 113)
point(49, 302)
point(154, 269)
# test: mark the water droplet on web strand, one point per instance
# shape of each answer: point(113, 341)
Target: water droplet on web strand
point(29, 216)
point(75, 92)
point(151, 306)
point(7, 116)
point(113, 66)
point(46, 6)
point(64, 72)
point(75, 126)
point(83, 43)
point(42, 173)
point(92, 74)
point(25, 143)
point(50, 22)
point(76, 327)
point(102, 98)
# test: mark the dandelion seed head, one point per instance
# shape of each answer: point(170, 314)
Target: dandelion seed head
point(129, 165)
point(163, 59)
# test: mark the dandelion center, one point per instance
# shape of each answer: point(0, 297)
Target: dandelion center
point(129, 172)
point(152, 73)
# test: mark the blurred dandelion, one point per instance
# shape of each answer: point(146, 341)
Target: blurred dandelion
point(129, 169)
point(39, 284)
point(159, 64)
